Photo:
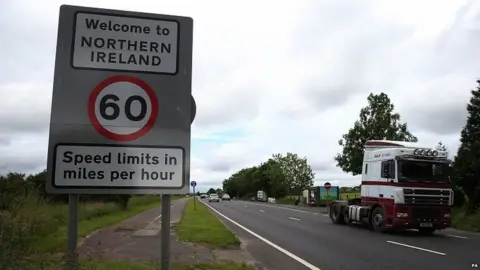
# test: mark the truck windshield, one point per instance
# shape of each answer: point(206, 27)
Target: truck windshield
point(418, 171)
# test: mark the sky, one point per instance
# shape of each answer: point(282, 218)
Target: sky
point(268, 76)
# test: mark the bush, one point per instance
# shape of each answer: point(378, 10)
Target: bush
point(19, 227)
point(466, 222)
point(14, 233)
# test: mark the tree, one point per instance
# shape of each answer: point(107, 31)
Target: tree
point(296, 171)
point(271, 177)
point(277, 183)
point(467, 161)
point(377, 121)
point(440, 147)
point(211, 190)
point(438, 169)
point(241, 183)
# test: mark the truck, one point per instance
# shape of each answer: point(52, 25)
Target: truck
point(404, 186)
point(261, 196)
point(319, 196)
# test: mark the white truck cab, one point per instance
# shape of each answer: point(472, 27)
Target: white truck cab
point(404, 185)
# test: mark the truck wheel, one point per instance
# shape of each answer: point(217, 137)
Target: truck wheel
point(377, 220)
point(336, 214)
point(426, 231)
point(346, 217)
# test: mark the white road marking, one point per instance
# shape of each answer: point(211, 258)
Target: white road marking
point(287, 208)
point(245, 206)
point(457, 236)
point(315, 214)
point(297, 219)
point(325, 215)
point(261, 211)
point(418, 248)
point(284, 251)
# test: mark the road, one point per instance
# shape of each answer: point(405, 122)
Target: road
point(308, 237)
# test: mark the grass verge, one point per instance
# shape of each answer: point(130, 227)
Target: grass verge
point(122, 265)
point(467, 223)
point(57, 241)
point(203, 227)
point(55, 264)
point(33, 226)
point(289, 201)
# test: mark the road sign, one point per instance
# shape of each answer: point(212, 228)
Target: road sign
point(193, 183)
point(122, 101)
point(327, 185)
point(120, 166)
point(121, 110)
point(126, 42)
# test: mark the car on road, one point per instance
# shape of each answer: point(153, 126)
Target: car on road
point(213, 198)
point(203, 196)
point(226, 197)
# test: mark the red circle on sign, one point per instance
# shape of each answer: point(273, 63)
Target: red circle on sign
point(123, 137)
point(327, 185)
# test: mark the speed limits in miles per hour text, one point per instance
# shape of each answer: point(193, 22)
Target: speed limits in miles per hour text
point(114, 166)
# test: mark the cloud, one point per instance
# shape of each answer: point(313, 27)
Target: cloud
point(289, 76)
point(25, 107)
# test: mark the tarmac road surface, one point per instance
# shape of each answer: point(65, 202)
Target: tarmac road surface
point(305, 238)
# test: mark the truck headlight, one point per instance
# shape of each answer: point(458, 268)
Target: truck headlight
point(402, 215)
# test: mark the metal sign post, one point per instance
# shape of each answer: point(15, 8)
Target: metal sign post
point(327, 186)
point(194, 184)
point(165, 233)
point(72, 256)
point(121, 109)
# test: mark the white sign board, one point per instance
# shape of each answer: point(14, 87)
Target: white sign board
point(117, 166)
point(121, 110)
point(125, 43)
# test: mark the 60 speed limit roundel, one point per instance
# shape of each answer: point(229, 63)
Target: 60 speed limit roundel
point(123, 108)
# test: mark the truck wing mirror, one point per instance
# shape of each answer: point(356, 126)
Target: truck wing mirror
point(385, 170)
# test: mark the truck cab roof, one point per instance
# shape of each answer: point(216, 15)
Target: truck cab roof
point(378, 150)
point(393, 144)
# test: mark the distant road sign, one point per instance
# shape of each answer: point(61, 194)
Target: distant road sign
point(327, 185)
point(121, 112)
point(123, 108)
point(193, 183)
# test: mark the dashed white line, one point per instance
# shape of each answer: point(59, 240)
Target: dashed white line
point(297, 219)
point(287, 208)
point(261, 211)
point(284, 251)
point(417, 248)
point(245, 206)
point(457, 236)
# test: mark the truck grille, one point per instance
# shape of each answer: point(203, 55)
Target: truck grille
point(427, 196)
point(426, 213)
